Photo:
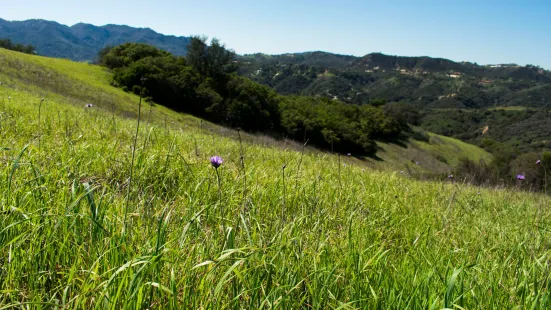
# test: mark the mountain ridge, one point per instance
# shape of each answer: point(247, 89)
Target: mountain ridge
point(82, 41)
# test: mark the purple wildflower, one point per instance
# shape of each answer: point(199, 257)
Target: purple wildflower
point(89, 105)
point(520, 177)
point(538, 162)
point(216, 161)
point(417, 163)
point(450, 176)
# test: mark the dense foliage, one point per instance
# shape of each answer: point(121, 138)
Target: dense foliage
point(204, 84)
point(523, 130)
point(429, 82)
point(8, 44)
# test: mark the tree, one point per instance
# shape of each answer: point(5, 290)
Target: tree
point(377, 102)
point(210, 61)
point(8, 44)
point(404, 113)
point(100, 58)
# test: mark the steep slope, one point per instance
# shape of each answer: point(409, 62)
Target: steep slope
point(82, 42)
point(84, 83)
point(94, 212)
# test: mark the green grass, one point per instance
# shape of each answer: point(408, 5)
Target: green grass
point(437, 156)
point(452, 149)
point(288, 229)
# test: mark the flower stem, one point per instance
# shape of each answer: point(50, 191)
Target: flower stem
point(132, 165)
point(219, 191)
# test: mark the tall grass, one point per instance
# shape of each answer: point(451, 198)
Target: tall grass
point(317, 233)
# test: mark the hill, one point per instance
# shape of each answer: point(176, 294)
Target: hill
point(99, 209)
point(82, 42)
point(425, 81)
point(80, 84)
point(430, 85)
point(439, 88)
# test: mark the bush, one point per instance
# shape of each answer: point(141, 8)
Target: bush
point(419, 135)
point(441, 159)
point(8, 44)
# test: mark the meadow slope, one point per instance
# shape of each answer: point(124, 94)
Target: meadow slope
point(94, 216)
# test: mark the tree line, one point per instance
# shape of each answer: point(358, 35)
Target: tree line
point(8, 44)
point(204, 83)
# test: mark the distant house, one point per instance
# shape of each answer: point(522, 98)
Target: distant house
point(455, 75)
point(485, 81)
point(447, 96)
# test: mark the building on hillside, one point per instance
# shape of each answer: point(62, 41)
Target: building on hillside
point(485, 81)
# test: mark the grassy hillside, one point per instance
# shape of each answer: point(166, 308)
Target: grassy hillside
point(80, 84)
point(437, 155)
point(91, 218)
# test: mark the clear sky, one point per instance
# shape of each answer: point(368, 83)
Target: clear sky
point(483, 31)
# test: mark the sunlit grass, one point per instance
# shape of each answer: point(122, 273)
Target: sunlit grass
point(320, 233)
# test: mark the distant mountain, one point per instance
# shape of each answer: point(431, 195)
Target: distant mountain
point(81, 42)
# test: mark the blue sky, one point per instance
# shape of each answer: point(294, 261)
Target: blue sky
point(484, 31)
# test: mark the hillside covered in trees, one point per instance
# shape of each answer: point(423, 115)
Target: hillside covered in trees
point(205, 84)
point(424, 81)
point(506, 103)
